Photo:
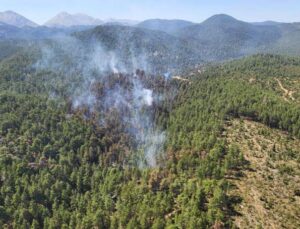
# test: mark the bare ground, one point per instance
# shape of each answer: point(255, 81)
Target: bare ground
point(287, 93)
point(270, 181)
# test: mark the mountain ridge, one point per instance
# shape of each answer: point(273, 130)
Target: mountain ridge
point(169, 26)
point(15, 19)
point(65, 19)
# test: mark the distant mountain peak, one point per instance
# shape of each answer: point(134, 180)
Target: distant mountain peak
point(220, 19)
point(65, 19)
point(12, 18)
point(223, 16)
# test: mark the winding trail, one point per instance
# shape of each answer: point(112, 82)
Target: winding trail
point(287, 93)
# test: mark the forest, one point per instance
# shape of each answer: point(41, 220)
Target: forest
point(77, 165)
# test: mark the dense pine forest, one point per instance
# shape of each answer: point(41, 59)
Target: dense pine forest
point(66, 164)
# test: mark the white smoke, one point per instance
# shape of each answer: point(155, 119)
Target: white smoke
point(68, 51)
point(142, 96)
point(154, 146)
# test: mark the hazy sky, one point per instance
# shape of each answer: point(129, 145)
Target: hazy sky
point(194, 10)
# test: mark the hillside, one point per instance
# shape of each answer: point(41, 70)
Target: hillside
point(222, 37)
point(176, 44)
point(82, 147)
point(269, 186)
point(153, 51)
point(243, 103)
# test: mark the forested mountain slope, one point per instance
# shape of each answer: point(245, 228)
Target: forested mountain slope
point(66, 166)
point(168, 26)
point(222, 37)
point(175, 44)
point(160, 52)
point(252, 105)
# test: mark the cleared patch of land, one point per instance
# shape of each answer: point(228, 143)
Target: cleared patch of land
point(270, 184)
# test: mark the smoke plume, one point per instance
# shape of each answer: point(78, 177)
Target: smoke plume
point(123, 89)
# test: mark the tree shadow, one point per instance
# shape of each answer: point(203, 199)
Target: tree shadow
point(233, 201)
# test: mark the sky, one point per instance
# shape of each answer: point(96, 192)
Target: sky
point(194, 10)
